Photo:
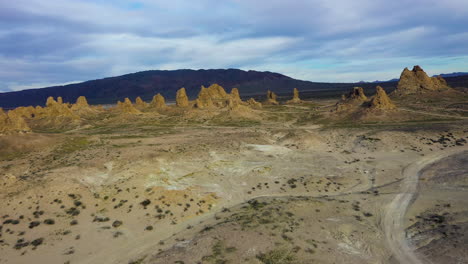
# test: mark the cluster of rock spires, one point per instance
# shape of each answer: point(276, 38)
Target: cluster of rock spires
point(56, 112)
point(417, 81)
point(126, 107)
point(11, 122)
point(212, 98)
point(271, 98)
point(356, 100)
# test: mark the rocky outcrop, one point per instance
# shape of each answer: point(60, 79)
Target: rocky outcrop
point(417, 81)
point(216, 96)
point(55, 109)
point(12, 122)
point(254, 104)
point(354, 98)
point(139, 103)
point(204, 99)
point(83, 109)
point(50, 101)
point(25, 112)
point(181, 98)
point(357, 94)
point(381, 101)
point(271, 98)
point(217, 92)
point(235, 95)
point(158, 102)
point(295, 99)
point(81, 103)
point(127, 107)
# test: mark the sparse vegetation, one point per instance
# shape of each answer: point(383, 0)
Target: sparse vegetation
point(277, 256)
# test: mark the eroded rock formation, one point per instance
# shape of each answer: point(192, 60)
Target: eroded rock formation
point(417, 81)
point(25, 112)
point(12, 122)
point(235, 95)
point(81, 103)
point(216, 96)
point(83, 109)
point(55, 109)
point(271, 98)
point(139, 103)
point(254, 104)
point(295, 99)
point(127, 107)
point(381, 100)
point(204, 99)
point(181, 98)
point(354, 98)
point(158, 102)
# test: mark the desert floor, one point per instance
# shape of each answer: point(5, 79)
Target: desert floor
point(290, 187)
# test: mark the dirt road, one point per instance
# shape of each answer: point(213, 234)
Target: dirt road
point(393, 222)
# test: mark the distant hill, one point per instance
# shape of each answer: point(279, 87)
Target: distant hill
point(392, 80)
point(148, 83)
point(453, 74)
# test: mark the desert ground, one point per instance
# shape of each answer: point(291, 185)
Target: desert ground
point(286, 183)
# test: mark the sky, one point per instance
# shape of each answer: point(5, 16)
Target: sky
point(51, 42)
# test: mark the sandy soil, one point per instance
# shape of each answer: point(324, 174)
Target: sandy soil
point(290, 186)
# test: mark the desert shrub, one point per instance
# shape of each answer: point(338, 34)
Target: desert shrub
point(277, 256)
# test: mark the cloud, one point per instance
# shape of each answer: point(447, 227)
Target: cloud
point(58, 41)
point(19, 87)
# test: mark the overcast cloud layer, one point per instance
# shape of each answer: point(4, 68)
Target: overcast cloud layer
point(43, 43)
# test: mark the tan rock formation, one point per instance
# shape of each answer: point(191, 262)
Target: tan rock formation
point(83, 109)
point(217, 92)
point(181, 98)
point(81, 103)
point(381, 100)
point(357, 94)
point(254, 104)
point(204, 98)
point(25, 112)
point(417, 81)
point(271, 98)
point(354, 98)
point(12, 122)
point(127, 107)
point(295, 99)
point(50, 101)
point(55, 109)
point(158, 102)
point(60, 100)
point(139, 103)
point(238, 110)
point(216, 96)
point(235, 95)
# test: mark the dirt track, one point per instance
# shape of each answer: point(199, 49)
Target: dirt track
point(393, 222)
